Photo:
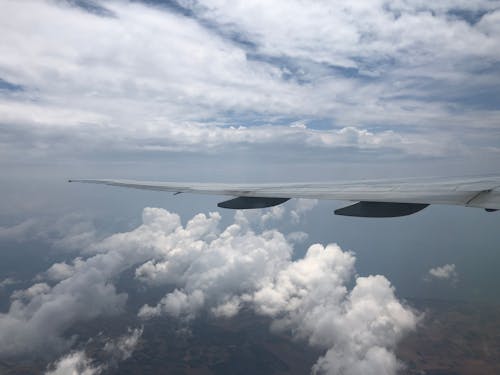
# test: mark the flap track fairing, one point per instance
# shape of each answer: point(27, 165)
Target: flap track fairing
point(380, 209)
point(243, 203)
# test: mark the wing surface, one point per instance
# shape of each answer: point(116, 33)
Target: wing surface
point(482, 192)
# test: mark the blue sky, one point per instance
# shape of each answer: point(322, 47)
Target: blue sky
point(247, 91)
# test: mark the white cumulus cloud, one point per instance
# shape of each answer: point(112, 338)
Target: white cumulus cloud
point(301, 207)
point(221, 271)
point(115, 350)
point(75, 363)
point(122, 347)
point(446, 272)
point(358, 328)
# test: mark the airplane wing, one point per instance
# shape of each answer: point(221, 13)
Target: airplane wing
point(376, 198)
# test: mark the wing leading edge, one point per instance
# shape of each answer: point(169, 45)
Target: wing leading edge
point(377, 198)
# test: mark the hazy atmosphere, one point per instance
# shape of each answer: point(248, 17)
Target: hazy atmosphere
point(103, 280)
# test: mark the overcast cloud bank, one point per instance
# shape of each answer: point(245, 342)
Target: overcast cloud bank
point(406, 78)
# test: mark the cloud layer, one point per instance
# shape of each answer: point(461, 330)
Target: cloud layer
point(405, 78)
point(220, 271)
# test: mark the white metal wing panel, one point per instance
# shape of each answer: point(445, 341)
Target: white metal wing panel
point(481, 192)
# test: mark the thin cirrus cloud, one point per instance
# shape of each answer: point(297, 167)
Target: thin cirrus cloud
point(407, 78)
point(205, 268)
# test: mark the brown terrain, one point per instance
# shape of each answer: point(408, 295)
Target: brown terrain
point(453, 338)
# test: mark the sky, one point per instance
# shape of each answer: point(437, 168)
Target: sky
point(242, 91)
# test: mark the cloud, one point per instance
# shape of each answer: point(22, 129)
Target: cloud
point(63, 270)
point(295, 209)
point(78, 291)
point(301, 207)
point(69, 232)
point(297, 237)
point(445, 272)
point(74, 363)
point(275, 213)
point(122, 347)
point(369, 36)
point(114, 351)
point(83, 288)
point(38, 316)
point(221, 271)
point(6, 282)
point(32, 292)
point(19, 231)
point(359, 328)
point(227, 76)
